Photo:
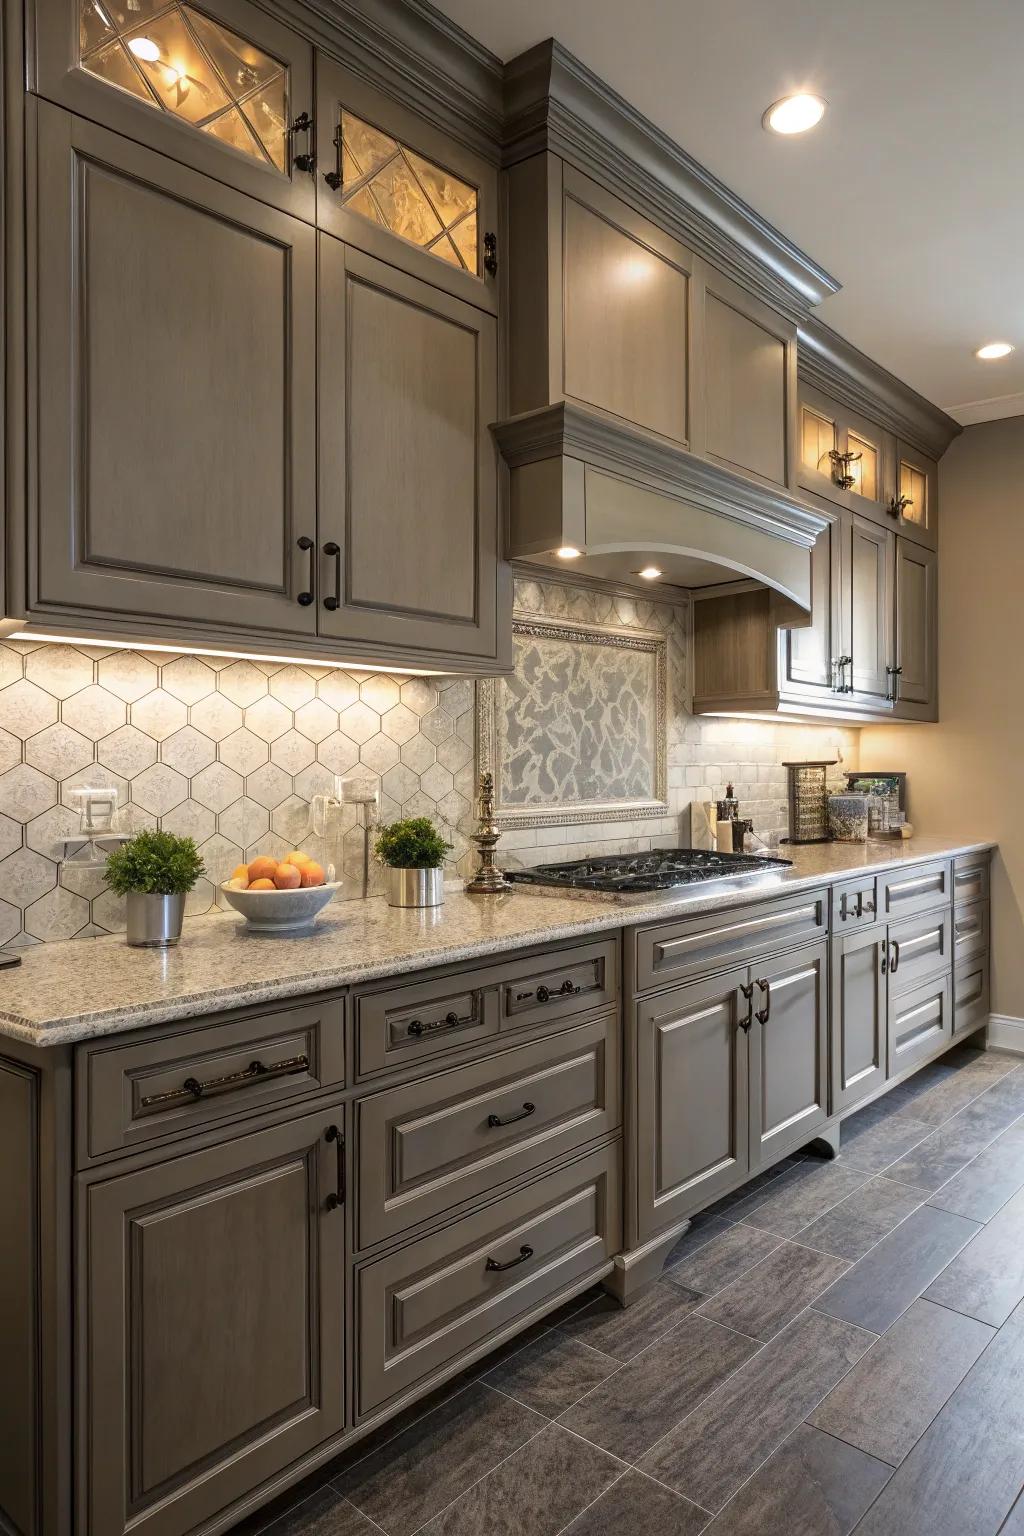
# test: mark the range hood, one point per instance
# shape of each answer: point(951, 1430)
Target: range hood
point(580, 480)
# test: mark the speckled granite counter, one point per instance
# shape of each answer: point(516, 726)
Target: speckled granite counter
point(83, 988)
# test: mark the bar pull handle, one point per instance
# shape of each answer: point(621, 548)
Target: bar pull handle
point(764, 1014)
point(333, 603)
point(307, 546)
point(195, 1090)
point(748, 993)
point(337, 1196)
point(527, 1110)
point(525, 1252)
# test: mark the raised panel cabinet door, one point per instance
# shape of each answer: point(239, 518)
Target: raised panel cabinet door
point(174, 367)
point(403, 190)
point(858, 1031)
point(788, 1053)
point(221, 86)
point(920, 1023)
point(691, 1097)
point(916, 683)
point(747, 388)
point(211, 1325)
point(408, 487)
point(626, 299)
point(870, 606)
point(809, 655)
point(915, 506)
point(819, 439)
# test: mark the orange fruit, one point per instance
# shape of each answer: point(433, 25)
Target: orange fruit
point(240, 872)
point(287, 877)
point(262, 885)
point(262, 869)
point(312, 874)
point(297, 857)
point(237, 882)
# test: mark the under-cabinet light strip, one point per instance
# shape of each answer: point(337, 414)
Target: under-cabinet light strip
point(349, 665)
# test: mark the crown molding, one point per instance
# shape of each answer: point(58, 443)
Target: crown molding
point(553, 102)
point(834, 365)
point(996, 408)
point(568, 431)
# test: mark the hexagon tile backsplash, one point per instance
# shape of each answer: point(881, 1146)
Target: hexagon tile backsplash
point(231, 752)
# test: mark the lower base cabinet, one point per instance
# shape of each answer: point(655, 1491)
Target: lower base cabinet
point(731, 1074)
point(859, 997)
point(212, 1327)
point(920, 1021)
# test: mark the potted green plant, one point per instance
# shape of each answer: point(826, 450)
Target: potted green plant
point(155, 871)
point(413, 853)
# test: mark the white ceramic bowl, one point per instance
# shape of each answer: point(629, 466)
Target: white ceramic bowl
point(281, 911)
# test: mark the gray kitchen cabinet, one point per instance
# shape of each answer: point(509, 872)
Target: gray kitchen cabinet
point(226, 88)
point(920, 1022)
point(601, 303)
point(409, 519)
point(395, 186)
point(692, 1121)
point(788, 1044)
point(871, 587)
point(844, 456)
point(746, 387)
point(915, 673)
point(211, 1326)
point(163, 295)
point(808, 654)
point(860, 962)
point(914, 506)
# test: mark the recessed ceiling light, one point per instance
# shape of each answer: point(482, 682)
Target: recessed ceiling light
point(794, 114)
point(649, 573)
point(144, 48)
point(568, 552)
point(994, 349)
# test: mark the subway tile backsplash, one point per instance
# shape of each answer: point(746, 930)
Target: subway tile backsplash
point(231, 752)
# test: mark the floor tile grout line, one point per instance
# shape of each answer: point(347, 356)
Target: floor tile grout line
point(834, 1434)
point(642, 1472)
point(478, 1480)
point(614, 1483)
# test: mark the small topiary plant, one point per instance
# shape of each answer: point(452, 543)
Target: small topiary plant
point(412, 844)
point(154, 864)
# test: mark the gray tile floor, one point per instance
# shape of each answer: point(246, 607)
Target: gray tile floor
point(836, 1348)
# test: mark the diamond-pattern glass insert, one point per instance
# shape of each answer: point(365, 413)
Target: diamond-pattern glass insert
point(384, 181)
point(178, 60)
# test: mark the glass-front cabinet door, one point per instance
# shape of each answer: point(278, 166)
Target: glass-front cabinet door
point(222, 87)
point(844, 456)
point(914, 506)
point(403, 191)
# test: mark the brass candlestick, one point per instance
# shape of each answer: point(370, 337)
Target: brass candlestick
point(488, 880)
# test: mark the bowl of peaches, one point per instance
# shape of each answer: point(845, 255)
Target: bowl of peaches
point(280, 895)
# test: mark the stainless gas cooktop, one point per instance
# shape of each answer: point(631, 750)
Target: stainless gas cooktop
point(625, 874)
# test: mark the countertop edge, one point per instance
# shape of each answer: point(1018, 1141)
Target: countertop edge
point(595, 919)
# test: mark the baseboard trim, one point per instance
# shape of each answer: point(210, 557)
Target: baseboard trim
point(1005, 1033)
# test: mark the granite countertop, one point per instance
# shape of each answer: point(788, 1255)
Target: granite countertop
point(83, 988)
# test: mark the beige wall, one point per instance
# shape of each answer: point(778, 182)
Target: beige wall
point(967, 772)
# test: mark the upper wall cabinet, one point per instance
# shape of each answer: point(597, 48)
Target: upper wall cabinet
point(223, 87)
point(914, 503)
point(601, 303)
point(408, 494)
point(401, 190)
point(174, 348)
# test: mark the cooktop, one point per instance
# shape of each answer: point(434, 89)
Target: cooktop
point(661, 870)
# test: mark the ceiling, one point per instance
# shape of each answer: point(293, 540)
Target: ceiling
point(908, 192)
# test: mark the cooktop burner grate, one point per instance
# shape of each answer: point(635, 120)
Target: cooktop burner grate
point(661, 870)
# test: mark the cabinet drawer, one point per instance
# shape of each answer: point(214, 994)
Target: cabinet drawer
point(919, 947)
point(558, 986)
point(914, 890)
point(854, 905)
point(172, 1082)
point(702, 944)
point(426, 1146)
point(426, 1305)
point(919, 1022)
point(971, 878)
point(413, 1023)
point(970, 932)
point(970, 995)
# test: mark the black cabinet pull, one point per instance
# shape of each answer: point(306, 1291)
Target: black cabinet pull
point(193, 1089)
point(416, 1027)
point(490, 254)
point(525, 1253)
point(304, 124)
point(885, 959)
point(335, 178)
point(527, 1110)
point(764, 1014)
point(307, 546)
point(544, 994)
point(748, 993)
point(337, 1196)
point(333, 602)
point(894, 963)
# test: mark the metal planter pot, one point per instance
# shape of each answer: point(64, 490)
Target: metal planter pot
point(154, 921)
point(415, 887)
